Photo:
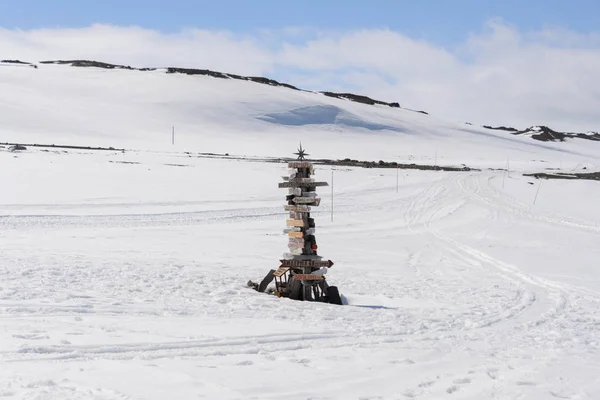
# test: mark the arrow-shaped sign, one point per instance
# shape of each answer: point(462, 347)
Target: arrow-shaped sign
point(308, 277)
point(297, 208)
point(301, 184)
point(306, 263)
point(307, 200)
point(295, 222)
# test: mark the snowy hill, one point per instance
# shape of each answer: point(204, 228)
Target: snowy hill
point(123, 272)
point(137, 109)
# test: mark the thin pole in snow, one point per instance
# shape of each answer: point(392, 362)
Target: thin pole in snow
point(536, 193)
point(173, 136)
point(397, 173)
point(503, 179)
point(331, 195)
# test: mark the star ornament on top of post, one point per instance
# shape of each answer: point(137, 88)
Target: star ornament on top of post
point(301, 153)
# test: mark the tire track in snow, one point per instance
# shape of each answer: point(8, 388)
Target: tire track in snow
point(494, 198)
point(430, 204)
point(564, 316)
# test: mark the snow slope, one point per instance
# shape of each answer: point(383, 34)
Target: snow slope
point(133, 109)
point(122, 273)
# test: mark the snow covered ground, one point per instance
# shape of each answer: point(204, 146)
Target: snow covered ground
point(122, 274)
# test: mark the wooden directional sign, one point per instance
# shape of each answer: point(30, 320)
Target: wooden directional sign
point(301, 184)
point(306, 263)
point(299, 164)
point(308, 277)
point(296, 243)
point(280, 271)
point(297, 235)
point(295, 222)
point(307, 200)
point(297, 208)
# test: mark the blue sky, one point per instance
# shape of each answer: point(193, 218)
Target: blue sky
point(439, 21)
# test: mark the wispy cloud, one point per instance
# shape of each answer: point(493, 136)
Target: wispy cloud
point(500, 75)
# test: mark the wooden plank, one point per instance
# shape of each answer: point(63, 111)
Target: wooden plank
point(297, 235)
point(297, 242)
point(308, 277)
point(296, 215)
point(299, 164)
point(292, 184)
point(297, 208)
point(307, 200)
point(306, 263)
point(302, 179)
point(295, 222)
point(280, 271)
point(295, 191)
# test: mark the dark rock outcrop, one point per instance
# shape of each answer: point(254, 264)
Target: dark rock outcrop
point(593, 176)
point(222, 75)
point(95, 64)
point(17, 147)
point(360, 99)
point(501, 128)
point(546, 134)
point(18, 62)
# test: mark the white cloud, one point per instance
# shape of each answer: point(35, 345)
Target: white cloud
point(501, 75)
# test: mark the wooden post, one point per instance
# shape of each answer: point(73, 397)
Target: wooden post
point(331, 195)
point(538, 190)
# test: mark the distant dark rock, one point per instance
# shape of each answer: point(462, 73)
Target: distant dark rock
point(95, 64)
point(222, 75)
point(17, 147)
point(501, 128)
point(19, 62)
point(593, 176)
point(347, 162)
point(546, 134)
point(360, 99)
point(15, 62)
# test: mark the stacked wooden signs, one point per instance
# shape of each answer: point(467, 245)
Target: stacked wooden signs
point(301, 275)
point(302, 257)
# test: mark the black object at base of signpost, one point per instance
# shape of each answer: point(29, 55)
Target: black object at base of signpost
point(301, 274)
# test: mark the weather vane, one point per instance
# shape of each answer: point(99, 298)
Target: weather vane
point(301, 153)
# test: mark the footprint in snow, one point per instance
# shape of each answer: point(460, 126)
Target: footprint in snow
point(452, 389)
point(462, 381)
point(526, 383)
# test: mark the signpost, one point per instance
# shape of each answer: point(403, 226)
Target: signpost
point(300, 275)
